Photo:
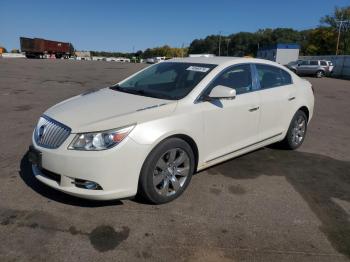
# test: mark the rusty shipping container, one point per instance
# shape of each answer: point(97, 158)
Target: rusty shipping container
point(37, 47)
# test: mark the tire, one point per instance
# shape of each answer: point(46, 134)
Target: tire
point(296, 132)
point(167, 171)
point(319, 74)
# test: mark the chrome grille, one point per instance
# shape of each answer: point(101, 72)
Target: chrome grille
point(50, 133)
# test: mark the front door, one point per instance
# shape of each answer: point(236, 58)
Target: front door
point(230, 125)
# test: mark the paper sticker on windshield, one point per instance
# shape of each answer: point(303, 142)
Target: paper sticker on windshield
point(198, 69)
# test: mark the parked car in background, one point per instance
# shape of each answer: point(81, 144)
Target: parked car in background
point(149, 133)
point(318, 68)
point(157, 59)
point(293, 65)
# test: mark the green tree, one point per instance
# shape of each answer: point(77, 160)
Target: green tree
point(243, 44)
point(166, 51)
point(320, 41)
point(209, 45)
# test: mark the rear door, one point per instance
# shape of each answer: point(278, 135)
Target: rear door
point(277, 96)
point(314, 67)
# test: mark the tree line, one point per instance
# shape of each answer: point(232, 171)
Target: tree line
point(321, 40)
point(165, 50)
point(317, 41)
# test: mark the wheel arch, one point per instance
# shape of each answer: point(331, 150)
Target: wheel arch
point(188, 139)
point(306, 111)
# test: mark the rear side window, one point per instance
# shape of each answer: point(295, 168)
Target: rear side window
point(287, 79)
point(271, 76)
point(312, 62)
point(323, 63)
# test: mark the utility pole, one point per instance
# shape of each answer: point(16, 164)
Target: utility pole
point(340, 23)
point(227, 43)
point(219, 43)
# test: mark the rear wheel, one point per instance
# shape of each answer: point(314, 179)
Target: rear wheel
point(319, 74)
point(167, 171)
point(296, 131)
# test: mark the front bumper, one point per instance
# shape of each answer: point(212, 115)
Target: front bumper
point(116, 170)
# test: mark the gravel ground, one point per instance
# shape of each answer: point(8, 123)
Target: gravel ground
point(269, 205)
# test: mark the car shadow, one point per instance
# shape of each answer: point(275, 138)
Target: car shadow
point(28, 177)
point(323, 182)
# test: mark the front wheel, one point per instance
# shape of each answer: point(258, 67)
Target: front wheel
point(319, 74)
point(167, 171)
point(296, 131)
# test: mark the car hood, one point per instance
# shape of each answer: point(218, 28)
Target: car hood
point(108, 109)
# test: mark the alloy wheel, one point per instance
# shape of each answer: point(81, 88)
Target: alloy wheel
point(299, 128)
point(319, 74)
point(171, 172)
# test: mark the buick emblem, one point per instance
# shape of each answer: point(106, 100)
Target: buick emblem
point(41, 131)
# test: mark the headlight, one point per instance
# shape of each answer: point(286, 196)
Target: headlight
point(99, 140)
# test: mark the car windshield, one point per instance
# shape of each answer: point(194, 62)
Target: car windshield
point(166, 80)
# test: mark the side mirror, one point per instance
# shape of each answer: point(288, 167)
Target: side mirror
point(222, 92)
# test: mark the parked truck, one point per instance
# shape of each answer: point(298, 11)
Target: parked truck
point(38, 48)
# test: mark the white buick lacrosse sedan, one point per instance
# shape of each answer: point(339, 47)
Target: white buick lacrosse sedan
point(149, 133)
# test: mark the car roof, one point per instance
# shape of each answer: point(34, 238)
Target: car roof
point(217, 60)
point(220, 60)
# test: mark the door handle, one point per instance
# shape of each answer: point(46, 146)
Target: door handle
point(291, 98)
point(253, 109)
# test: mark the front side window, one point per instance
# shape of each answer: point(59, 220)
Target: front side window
point(238, 77)
point(166, 80)
point(271, 76)
point(304, 62)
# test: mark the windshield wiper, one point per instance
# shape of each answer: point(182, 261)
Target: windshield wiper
point(116, 88)
point(131, 91)
point(140, 92)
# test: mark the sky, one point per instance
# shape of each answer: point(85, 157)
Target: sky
point(127, 26)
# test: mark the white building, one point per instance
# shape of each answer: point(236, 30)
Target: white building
point(280, 53)
point(83, 55)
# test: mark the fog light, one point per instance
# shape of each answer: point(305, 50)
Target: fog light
point(86, 184)
point(90, 185)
